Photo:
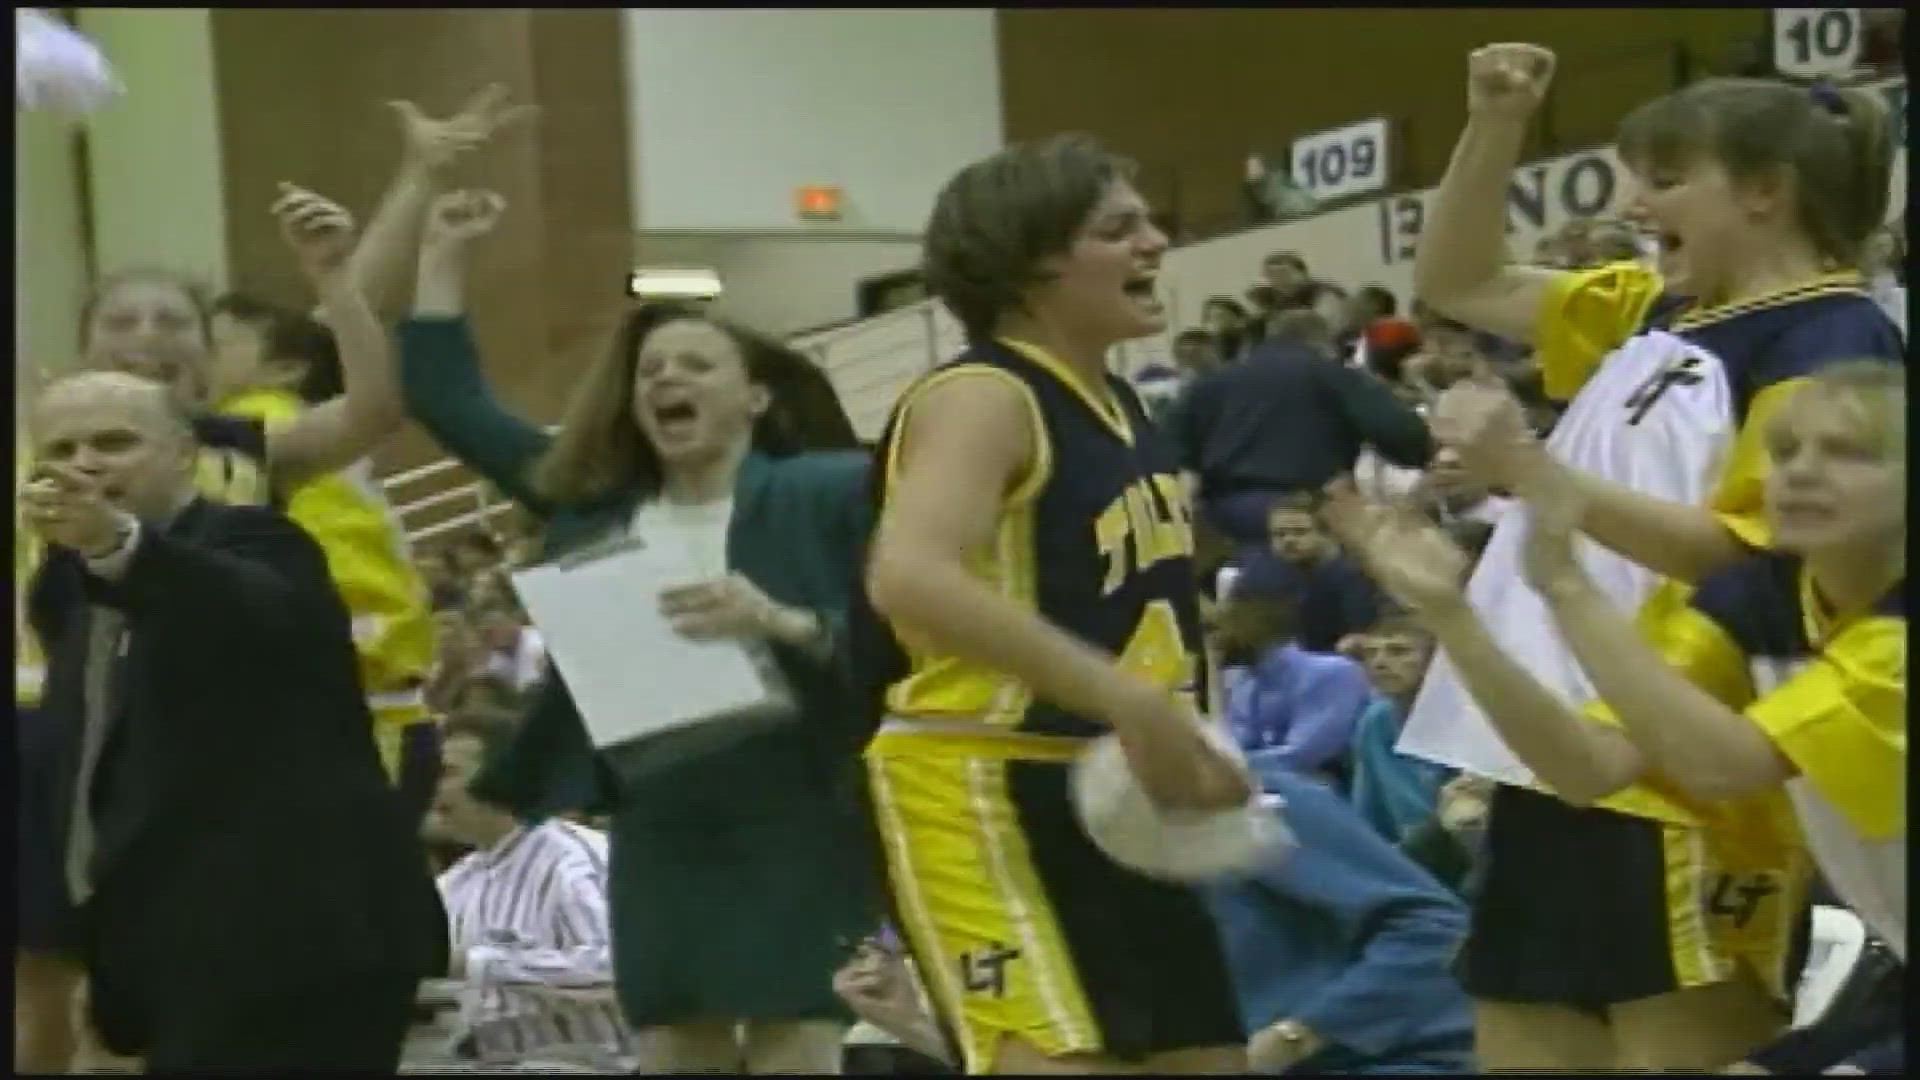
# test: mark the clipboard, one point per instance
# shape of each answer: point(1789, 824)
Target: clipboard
point(648, 697)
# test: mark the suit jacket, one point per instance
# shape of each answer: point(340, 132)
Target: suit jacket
point(246, 838)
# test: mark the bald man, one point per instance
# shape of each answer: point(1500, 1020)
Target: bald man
point(249, 896)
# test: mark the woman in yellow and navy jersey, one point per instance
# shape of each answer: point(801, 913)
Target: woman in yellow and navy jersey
point(1032, 587)
point(272, 365)
point(1783, 675)
point(1762, 195)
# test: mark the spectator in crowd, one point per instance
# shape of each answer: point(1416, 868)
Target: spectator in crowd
point(1368, 305)
point(1227, 319)
point(1393, 792)
point(1285, 272)
point(1287, 420)
point(1301, 559)
point(294, 935)
point(515, 652)
point(682, 418)
point(445, 583)
point(1333, 305)
point(1384, 349)
point(1285, 704)
point(1194, 353)
point(1585, 243)
point(459, 655)
point(1341, 951)
point(527, 909)
point(1447, 493)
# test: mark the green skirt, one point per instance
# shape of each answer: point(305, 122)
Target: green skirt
point(739, 885)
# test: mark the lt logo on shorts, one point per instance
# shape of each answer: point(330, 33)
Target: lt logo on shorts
point(985, 970)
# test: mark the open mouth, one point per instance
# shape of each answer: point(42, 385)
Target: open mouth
point(1143, 289)
point(674, 417)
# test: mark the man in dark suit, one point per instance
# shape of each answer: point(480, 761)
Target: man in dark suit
point(250, 895)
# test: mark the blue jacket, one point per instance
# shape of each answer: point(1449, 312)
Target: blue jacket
point(1349, 937)
point(1296, 708)
point(1394, 792)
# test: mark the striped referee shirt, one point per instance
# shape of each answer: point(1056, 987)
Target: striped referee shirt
point(530, 916)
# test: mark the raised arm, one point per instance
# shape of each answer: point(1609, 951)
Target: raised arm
point(382, 265)
point(1461, 268)
point(441, 380)
point(336, 433)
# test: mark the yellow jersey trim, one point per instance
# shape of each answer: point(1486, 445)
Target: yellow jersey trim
point(1102, 401)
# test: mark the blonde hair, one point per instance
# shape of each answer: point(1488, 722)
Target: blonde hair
point(1875, 391)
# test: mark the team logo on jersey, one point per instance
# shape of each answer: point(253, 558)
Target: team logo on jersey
point(1146, 524)
point(984, 971)
point(1737, 897)
point(1684, 371)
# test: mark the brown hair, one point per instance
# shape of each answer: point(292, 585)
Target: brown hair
point(999, 218)
point(600, 450)
point(1835, 143)
point(1398, 624)
point(197, 294)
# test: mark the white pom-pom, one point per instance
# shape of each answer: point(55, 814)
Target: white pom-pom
point(1191, 847)
point(55, 68)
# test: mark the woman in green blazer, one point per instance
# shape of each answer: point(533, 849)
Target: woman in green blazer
point(739, 878)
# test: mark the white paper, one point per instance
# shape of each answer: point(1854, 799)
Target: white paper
point(631, 676)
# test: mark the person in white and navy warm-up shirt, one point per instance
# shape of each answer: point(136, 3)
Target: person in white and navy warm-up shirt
point(528, 915)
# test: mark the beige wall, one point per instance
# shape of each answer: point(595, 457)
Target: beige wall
point(782, 285)
point(49, 258)
point(155, 154)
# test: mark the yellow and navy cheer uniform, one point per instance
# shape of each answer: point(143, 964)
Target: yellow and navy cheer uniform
point(1629, 899)
point(1830, 689)
point(393, 628)
point(1019, 924)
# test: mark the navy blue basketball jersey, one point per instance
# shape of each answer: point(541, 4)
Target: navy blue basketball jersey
point(1096, 538)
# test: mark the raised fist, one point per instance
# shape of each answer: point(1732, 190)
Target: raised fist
point(1508, 80)
point(460, 216)
point(319, 230)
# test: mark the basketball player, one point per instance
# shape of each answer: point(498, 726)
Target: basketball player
point(1032, 587)
point(1612, 949)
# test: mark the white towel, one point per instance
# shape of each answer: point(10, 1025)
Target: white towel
point(55, 68)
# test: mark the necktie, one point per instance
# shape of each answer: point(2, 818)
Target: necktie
point(104, 638)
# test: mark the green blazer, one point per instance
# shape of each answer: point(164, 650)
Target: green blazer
point(798, 532)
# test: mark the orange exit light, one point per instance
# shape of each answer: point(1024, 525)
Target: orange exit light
point(818, 201)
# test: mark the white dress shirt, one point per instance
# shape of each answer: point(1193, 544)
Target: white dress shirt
point(529, 915)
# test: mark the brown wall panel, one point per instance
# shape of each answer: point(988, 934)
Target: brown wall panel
point(302, 94)
point(1189, 92)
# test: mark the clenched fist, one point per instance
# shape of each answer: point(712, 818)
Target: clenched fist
point(1508, 80)
point(319, 230)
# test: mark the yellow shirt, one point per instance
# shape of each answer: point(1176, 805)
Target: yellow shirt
point(366, 551)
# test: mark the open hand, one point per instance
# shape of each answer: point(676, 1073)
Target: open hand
point(435, 145)
point(318, 230)
point(727, 607)
point(1508, 80)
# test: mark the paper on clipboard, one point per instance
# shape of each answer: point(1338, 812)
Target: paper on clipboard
point(631, 676)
